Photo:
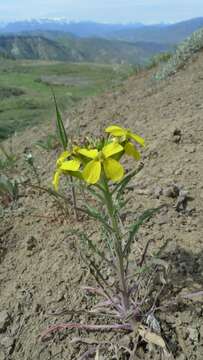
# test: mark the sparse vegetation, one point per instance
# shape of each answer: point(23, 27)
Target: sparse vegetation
point(48, 142)
point(182, 55)
point(7, 157)
point(8, 190)
point(158, 60)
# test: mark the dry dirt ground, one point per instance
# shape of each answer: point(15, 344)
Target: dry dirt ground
point(41, 272)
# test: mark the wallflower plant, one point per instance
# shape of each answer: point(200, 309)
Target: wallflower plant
point(128, 300)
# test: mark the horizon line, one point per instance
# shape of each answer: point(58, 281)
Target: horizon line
point(5, 22)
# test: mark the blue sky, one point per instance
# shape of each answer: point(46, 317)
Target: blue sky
point(111, 11)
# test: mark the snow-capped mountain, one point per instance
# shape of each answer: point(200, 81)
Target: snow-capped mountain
point(81, 29)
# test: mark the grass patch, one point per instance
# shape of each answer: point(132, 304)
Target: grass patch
point(25, 99)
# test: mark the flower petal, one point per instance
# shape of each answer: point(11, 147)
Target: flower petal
point(56, 179)
point(131, 150)
point(113, 169)
point(71, 165)
point(91, 154)
point(137, 138)
point(92, 171)
point(111, 149)
point(115, 130)
point(62, 157)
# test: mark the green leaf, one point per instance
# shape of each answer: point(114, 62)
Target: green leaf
point(9, 187)
point(120, 188)
point(95, 194)
point(135, 227)
point(94, 213)
point(60, 127)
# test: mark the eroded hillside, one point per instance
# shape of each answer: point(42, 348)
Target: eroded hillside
point(40, 270)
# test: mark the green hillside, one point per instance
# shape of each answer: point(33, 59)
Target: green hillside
point(63, 47)
point(32, 47)
point(25, 94)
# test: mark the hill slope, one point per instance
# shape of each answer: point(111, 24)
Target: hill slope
point(37, 47)
point(41, 274)
point(59, 46)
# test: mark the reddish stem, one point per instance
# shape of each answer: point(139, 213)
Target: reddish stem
point(58, 327)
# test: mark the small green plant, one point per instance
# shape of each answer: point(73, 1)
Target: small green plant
point(49, 142)
point(9, 190)
point(8, 158)
point(158, 59)
point(128, 299)
point(30, 161)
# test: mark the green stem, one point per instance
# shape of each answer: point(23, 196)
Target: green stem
point(74, 198)
point(117, 243)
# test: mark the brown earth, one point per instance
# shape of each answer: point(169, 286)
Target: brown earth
point(41, 271)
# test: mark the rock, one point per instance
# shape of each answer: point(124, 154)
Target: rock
point(4, 320)
point(158, 191)
point(193, 335)
point(178, 172)
point(163, 219)
point(37, 308)
point(182, 201)
point(191, 149)
point(7, 342)
point(2, 355)
point(176, 139)
point(31, 242)
point(172, 191)
point(176, 136)
point(201, 331)
point(181, 357)
point(177, 132)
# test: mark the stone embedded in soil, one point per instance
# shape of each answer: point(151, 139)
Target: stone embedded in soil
point(201, 332)
point(182, 201)
point(181, 357)
point(4, 320)
point(2, 355)
point(176, 135)
point(193, 334)
point(7, 342)
point(171, 191)
point(177, 132)
point(158, 191)
point(31, 242)
point(176, 139)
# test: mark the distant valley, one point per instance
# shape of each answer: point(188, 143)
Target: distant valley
point(60, 40)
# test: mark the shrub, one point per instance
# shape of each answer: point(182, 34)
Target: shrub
point(183, 53)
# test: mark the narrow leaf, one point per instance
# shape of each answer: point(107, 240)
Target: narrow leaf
point(92, 212)
point(135, 227)
point(119, 188)
point(60, 127)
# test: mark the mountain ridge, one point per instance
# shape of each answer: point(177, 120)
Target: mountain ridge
point(65, 48)
point(130, 31)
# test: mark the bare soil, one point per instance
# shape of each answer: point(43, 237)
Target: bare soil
point(41, 272)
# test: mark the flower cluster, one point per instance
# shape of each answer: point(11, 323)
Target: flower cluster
point(90, 164)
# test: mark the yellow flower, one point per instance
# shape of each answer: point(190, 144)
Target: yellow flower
point(123, 136)
point(64, 165)
point(102, 160)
